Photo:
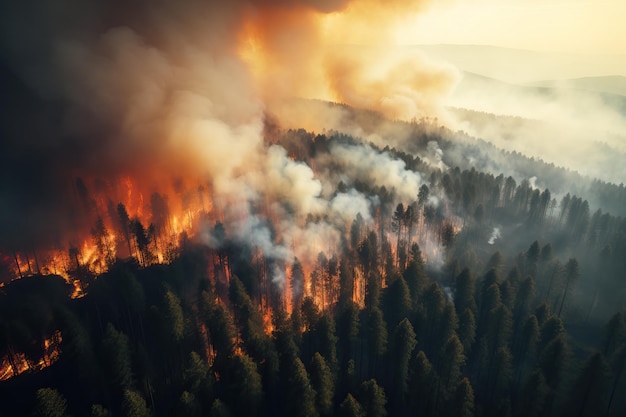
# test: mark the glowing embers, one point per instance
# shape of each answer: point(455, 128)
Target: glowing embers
point(16, 363)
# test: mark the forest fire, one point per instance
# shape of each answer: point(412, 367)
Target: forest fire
point(16, 363)
point(115, 221)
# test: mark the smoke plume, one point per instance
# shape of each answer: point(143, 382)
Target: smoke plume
point(162, 92)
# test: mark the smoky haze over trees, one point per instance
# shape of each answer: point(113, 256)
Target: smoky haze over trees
point(170, 246)
point(418, 310)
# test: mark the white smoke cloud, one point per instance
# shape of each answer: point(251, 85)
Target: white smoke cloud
point(495, 235)
point(363, 163)
point(346, 206)
point(434, 155)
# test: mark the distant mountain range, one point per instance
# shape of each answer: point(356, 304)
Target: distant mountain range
point(495, 95)
point(611, 84)
point(523, 66)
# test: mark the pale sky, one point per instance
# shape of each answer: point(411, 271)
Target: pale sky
point(580, 26)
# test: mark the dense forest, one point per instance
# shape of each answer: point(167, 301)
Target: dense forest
point(483, 294)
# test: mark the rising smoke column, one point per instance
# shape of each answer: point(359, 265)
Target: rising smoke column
point(161, 90)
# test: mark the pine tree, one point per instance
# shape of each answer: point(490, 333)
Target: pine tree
point(532, 400)
point(174, 318)
point(188, 405)
point(297, 283)
point(323, 384)
point(134, 405)
point(422, 385)
point(219, 409)
point(464, 292)
point(327, 340)
point(553, 361)
point(404, 342)
point(243, 387)
point(350, 407)
point(118, 357)
point(222, 331)
point(588, 396)
point(467, 329)
point(300, 399)
point(197, 376)
point(525, 347)
point(396, 302)
point(415, 274)
point(49, 403)
point(449, 369)
point(373, 399)
point(463, 404)
point(523, 301)
point(571, 275)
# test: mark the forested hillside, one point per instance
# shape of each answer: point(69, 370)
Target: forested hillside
point(480, 293)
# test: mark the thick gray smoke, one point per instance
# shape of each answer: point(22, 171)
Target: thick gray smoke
point(161, 92)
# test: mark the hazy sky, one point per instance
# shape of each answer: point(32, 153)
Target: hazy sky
point(581, 26)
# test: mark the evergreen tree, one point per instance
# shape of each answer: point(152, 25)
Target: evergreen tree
point(222, 331)
point(525, 347)
point(373, 399)
point(464, 292)
point(523, 301)
point(551, 329)
point(134, 405)
point(188, 405)
point(396, 302)
point(449, 370)
point(197, 376)
point(415, 275)
point(571, 275)
point(327, 340)
point(244, 389)
point(323, 384)
point(532, 400)
point(297, 283)
point(117, 354)
point(49, 403)
point(589, 393)
point(553, 361)
point(347, 332)
point(97, 410)
point(350, 407)
point(300, 399)
point(467, 329)
point(402, 348)
point(463, 404)
point(174, 318)
point(422, 385)
point(219, 409)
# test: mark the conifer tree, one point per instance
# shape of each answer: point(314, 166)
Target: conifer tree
point(467, 329)
point(300, 399)
point(422, 385)
point(323, 384)
point(463, 404)
point(404, 342)
point(350, 407)
point(588, 396)
point(49, 403)
point(373, 399)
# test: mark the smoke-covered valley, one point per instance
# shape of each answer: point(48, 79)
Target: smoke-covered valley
point(566, 109)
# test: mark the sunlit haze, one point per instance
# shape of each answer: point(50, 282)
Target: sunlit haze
point(579, 26)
